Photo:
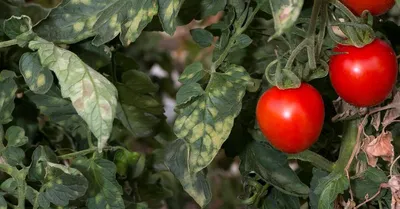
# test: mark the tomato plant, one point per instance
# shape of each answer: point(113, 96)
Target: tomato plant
point(183, 104)
point(364, 76)
point(374, 7)
point(291, 119)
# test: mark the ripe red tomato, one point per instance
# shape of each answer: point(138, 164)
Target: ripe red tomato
point(291, 119)
point(364, 76)
point(376, 7)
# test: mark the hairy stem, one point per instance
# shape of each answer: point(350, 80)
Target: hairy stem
point(8, 43)
point(349, 141)
point(314, 158)
point(232, 40)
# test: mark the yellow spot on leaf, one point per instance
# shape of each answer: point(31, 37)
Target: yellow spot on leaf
point(28, 74)
point(41, 80)
point(78, 26)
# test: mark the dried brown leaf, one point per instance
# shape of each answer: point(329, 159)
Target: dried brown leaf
point(380, 146)
point(394, 183)
point(376, 120)
point(392, 114)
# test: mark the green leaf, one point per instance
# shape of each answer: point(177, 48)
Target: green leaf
point(285, 13)
point(205, 122)
point(329, 188)
point(8, 88)
point(242, 41)
point(61, 185)
point(168, 11)
point(39, 79)
point(104, 190)
point(9, 185)
point(272, 166)
point(19, 28)
point(40, 157)
point(188, 92)
point(3, 203)
point(239, 5)
point(277, 199)
point(15, 136)
point(368, 183)
point(202, 37)
point(59, 110)
point(318, 174)
point(104, 19)
point(138, 110)
point(195, 184)
point(92, 95)
point(87, 51)
point(192, 73)
point(212, 7)
point(13, 155)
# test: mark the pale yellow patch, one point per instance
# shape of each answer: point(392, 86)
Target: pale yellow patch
point(78, 26)
point(41, 80)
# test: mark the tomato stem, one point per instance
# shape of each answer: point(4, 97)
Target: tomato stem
point(349, 140)
point(314, 158)
point(8, 43)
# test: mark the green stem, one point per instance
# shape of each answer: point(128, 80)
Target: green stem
point(349, 140)
point(75, 154)
point(89, 138)
point(345, 10)
point(232, 40)
point(314, 158)
point(19, 176)
point(8, 43)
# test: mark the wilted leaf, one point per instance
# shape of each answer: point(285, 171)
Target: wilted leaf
point(39, 79)
point(329, 188)
point(345, 111)
point(92, 95)
point(104, 190)
point(376, 120)
point(272, 166)
point(104, 19)
point(205, 122)
point(168, 11)
point(19, 28)
point(394, 184)
point(15, 136)
point(40, 157)
point(392, 114)
point(380, 146)
point(13, 155)
point(195, 184)
point(276, 199)
point(61, 185)
point(138, 111)
point(285, 13)
point(8, 88)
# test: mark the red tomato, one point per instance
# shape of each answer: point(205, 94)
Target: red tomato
point(364, 76)
point(376, 7)
point(291, 119)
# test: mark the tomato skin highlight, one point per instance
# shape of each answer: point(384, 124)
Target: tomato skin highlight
point(291, 119)
point(376, 7)
point(364, 76)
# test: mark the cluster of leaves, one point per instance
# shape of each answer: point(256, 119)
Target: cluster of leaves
point(77, 99)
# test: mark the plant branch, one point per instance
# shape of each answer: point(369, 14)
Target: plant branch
point(8, 43)
point(232, 40)
point(314, 158)
point(349, 141)
point(75, 154)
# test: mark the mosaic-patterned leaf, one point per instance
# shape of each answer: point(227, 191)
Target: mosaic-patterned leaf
point(104, 190)
point(168, 11)
point(92, 95)
point(38, 78)
point(75, 20)
point(195, 184)
point(206, 122)
point(15, 136)
point(8, 88)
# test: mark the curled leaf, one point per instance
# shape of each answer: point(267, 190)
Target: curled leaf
point(345, 111)
point(380, 146)
point(394, 184)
